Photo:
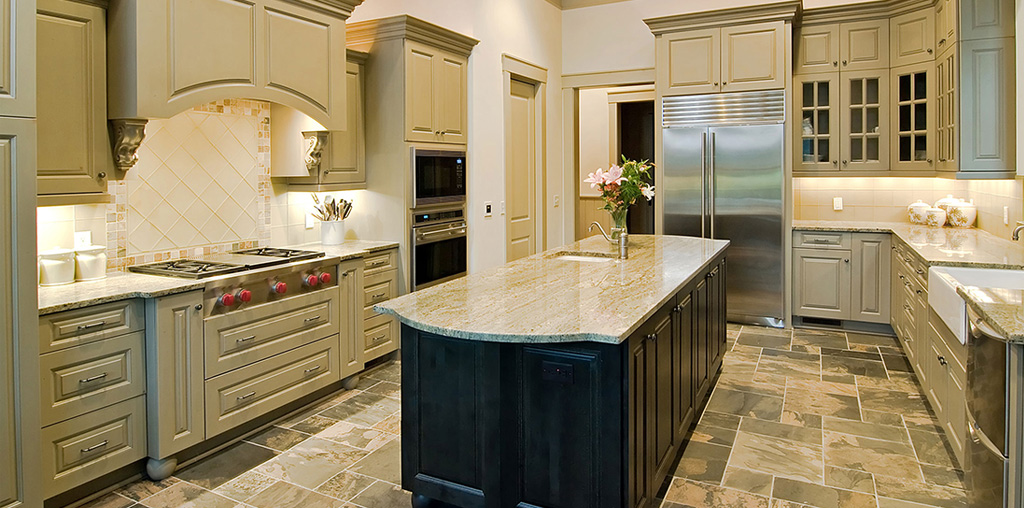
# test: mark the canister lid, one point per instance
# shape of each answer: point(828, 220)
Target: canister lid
point(91, 249)
point(57, 254)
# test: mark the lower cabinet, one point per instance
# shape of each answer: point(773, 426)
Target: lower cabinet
point(842, 276)
point(945, 365)
point(580, 424)
point(380, 331)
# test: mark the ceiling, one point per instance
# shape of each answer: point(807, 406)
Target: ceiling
point(575, 4)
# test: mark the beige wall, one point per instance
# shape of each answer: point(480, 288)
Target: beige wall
point(594, 135)
point(886, 199)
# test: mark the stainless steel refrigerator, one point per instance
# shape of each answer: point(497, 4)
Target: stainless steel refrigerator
point(724, 179)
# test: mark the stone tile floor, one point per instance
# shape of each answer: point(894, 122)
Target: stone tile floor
point(798, 419)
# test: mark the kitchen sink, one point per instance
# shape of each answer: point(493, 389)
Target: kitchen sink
point(584, 257)
point(942, 296)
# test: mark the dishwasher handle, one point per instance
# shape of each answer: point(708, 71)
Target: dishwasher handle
point(979, 328)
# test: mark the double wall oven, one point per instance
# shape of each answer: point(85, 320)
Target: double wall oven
point(439, 230)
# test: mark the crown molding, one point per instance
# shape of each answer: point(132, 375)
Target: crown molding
point(779, 11)
point(861, 11)
point(337, 8)
point(354, 55)
point(364, 33)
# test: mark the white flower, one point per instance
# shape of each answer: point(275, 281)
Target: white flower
point(647, 191)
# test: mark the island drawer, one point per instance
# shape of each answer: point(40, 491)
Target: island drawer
point(80, 326)
point(246, 393)
point(823, 239)
point(379, 287)
point(381, 336)
point(377, 261)
point(85, 378)
point(239, 339)
point(94, 444)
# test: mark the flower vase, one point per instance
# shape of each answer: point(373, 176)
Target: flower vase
point(618, 223)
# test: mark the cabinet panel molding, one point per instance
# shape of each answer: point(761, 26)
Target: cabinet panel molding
point(817, 49)
point(912, 38)
point(987, 105)
point(196, 28)
point(302, 57)
point(419, 94)
point(986, 19)
point(754, 57)
point(689, 62)
point(871, 276)
point(17, 58)
point(822, 283)
point(864, 45)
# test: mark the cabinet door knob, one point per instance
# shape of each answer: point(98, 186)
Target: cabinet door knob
point(844, 62)
point(942, 41)
point(835, 163)
point(101, 175)
point(930, 51)
point(846, 260)
point(929, 161)
point(199, 307)
point(835, 63)
point(942, 360)
point(846, 163)
point(716, 83)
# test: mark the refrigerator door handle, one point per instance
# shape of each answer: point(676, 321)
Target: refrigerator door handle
point(711, 188)
point(703, 183)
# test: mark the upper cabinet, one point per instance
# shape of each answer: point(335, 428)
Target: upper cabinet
point(167, 56)
point(76, 160)
point(17, 58)
point(319, 160)
point(435, 94)
point(729, 59)
point(923, 89)
point(417, 74)
point(912, 38)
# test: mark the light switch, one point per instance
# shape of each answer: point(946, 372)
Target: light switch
point(1006, 216)
point(309, 221)
point(558, 200)
point(837, 204)
point(488, 209)
point(503, 208)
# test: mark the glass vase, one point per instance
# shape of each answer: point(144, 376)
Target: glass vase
point(618, 223)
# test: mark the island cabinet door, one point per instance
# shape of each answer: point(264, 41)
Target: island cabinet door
point(639, 423)
point(683, 361)
point(660, 370)
point(701, 350)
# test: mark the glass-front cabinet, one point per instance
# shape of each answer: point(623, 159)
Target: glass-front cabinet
point(946, 111)
point(864, 98)
point(817, 100)
point(913, 117)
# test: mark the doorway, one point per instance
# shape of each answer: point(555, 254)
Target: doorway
point(635, 133)
point(521, 171)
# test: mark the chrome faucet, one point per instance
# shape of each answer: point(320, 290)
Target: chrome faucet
point(1017, 230)
point(622, 240)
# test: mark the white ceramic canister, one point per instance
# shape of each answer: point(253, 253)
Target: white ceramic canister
point(946, 202)
point(917, 212)
point(332, 232)
point(90, 263)
point(962, 214)
point(936, 217)
point(56, 267)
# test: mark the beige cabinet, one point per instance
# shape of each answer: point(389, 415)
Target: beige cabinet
point(730, 59)
point(174, 363)
point(816, 99)
point(946, 374)
point(913, 119)
point(75, 161)
point(436, 97)
point(381, 333)
point(987, 106)
point(986, 19)
point(912, 38)
point(842, 276)
point(817, 49)
point(318, 160)
point(17, 59)
point(946, 21)
point(821, 285)
point(947, 110)
point(167, 56)
point(864, 45)
point(864, 99)
point(350, 336)
point(20, 467)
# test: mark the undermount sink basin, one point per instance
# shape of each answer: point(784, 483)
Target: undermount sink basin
point(950, 306)
point(584, 257)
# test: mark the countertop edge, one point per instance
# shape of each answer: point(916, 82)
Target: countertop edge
point(993, 321)
point(581, 336)
point(117, 297)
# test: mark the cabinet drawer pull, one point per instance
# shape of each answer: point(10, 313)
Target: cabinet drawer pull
point(379, 337)
point(311, 370)
point(906, 306)
point(920, 271)
point(379, 262)
point(245, 339)
point(93, 378)
point(901, 277)
point(246, 396)
point(652, 337)
point(920, 291)
point(89, 326)
point(821, 240)
point(95, 447)
point(311, 319)
point(378, 295)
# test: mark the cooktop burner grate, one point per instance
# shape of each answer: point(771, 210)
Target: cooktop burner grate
point(292, 254)
point(187, 268)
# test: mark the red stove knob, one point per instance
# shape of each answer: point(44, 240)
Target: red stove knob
point(325, 278)
point(279, 288)
point(226, 300)
point(311, 280)
point(244, 296)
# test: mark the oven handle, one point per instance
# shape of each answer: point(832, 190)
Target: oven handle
point(441, 234)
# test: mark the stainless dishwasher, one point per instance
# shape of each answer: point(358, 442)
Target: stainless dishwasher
point(986, 470)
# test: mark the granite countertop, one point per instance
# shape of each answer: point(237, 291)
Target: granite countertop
point(540, 299)
point(1003, 309)
point(967, 247)
point(136, 285)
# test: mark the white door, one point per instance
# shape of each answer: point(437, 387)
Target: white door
point(520, 172)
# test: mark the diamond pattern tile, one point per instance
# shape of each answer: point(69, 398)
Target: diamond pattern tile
point(196, 183)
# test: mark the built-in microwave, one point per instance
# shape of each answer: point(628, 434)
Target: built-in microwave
point(439, 177)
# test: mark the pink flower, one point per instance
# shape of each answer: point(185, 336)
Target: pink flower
point(596, 178)
point(614, 175)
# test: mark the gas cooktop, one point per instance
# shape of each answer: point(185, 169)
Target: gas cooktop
point(220, 264)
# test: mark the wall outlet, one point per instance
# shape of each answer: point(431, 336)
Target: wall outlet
point(837, 204)
point(503, 208)
point(558, 200)
point(309, 221)
point(488, 209)
point(1006, 216)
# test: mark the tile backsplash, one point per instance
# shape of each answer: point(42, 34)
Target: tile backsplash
point(886, 199)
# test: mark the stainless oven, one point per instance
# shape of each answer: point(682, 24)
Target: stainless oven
point(439, 177)
point(438, 246)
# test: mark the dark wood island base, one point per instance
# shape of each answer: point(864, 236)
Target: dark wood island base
point(583, 424)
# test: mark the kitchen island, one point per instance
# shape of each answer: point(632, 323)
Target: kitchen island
point(567, 378)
